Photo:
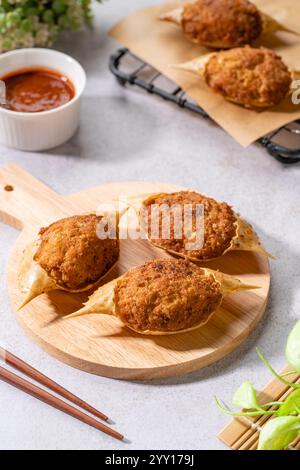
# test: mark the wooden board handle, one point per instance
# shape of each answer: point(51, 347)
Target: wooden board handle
point(24, 200)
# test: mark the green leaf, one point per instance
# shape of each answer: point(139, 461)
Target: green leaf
point(26, 26)
point(48, 16)
point(245, 397)
point(291, 405)
point(58, 6)
point(63, 22)
point(12, 19)
point(31, 11)
point(292, 350)
point(279, 432)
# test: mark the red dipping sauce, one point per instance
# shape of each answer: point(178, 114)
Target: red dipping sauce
point(37, 89)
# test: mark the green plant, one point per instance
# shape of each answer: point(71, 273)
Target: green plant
point(284, 428)
point(279, 432)
point(28, 23)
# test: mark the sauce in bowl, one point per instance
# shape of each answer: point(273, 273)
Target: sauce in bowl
point(37, 89)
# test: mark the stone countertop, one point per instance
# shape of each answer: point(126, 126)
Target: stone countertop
point(128, 135)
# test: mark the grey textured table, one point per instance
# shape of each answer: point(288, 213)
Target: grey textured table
point(127, 135)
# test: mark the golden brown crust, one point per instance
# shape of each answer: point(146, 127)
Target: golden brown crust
point(222, 23)
point(219, 225)
point(166, 295)
point(72, 254)
point(248, 76)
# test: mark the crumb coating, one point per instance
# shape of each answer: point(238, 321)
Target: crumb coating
point(219, 225)
point(72, 254)
point(248, 76)
point(222, 23)
point(166, 295)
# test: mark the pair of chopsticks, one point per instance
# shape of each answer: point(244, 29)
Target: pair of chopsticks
point(52, 400)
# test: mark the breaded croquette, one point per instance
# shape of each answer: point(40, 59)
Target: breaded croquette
point(221, 23)
point(163, 296)
point(249, 76)
point(166, 295)
point(72, 254)
point(219, 224)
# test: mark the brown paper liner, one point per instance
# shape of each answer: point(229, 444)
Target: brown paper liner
point(161, 43)
point(270, 25)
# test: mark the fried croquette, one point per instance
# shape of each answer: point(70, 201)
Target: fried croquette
point(221, 23)
point(249, 76)
point(72, 254)
point(163, 296)
point(219, 224)
point(166, 295)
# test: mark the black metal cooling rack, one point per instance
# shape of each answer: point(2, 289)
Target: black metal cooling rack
point(282, 144)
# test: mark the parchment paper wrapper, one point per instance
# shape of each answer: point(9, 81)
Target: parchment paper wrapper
point(162, 44)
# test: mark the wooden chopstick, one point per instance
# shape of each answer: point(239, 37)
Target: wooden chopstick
point(28, 370)
point(54, 401)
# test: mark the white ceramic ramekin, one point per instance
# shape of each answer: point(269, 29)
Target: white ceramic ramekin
point(47, 129)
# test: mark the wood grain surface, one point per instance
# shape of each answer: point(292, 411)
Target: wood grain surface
point(100, 344)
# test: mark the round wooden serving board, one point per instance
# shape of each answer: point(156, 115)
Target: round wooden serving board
point(100, 344)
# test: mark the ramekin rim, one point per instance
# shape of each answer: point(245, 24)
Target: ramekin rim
point(77, 96)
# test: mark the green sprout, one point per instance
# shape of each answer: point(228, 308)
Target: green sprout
point(279, 432)
point(245, 397)
point(278, 376)
point(29, 23)
point(291, 405)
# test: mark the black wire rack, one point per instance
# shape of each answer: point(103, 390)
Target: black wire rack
point(282, 144)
